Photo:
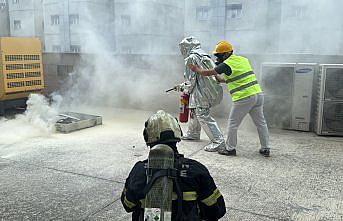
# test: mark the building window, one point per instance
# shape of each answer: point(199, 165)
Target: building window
point(64, 70)
point(15, 1)
point(126, 50)
point(2, 4)
point(202, 13)
point(126, 20)
point(75, 48)
point(74, 19)
point(233, 11)
point(56, 48)
point(298, 12)
point(55, 19)
point(17, 24)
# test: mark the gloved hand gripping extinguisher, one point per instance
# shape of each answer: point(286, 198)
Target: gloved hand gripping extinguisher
point(184, 102)
point(184, 108)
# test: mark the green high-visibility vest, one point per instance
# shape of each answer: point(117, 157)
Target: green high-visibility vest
point(242, 82)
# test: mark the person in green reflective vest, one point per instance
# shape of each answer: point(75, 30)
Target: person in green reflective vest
point(246, 94)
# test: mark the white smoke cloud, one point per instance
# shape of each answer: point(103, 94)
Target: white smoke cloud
point(37, 121)
point(104, 78)
point(40, 114)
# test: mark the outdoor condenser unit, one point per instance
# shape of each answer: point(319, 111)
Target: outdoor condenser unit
point(329, 111)
point(288, 94)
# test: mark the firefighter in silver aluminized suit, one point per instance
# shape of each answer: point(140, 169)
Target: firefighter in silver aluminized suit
point(205, 92)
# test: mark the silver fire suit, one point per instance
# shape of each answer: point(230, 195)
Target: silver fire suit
point(205, 92)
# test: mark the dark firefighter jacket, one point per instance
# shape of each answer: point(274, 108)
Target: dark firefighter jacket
point(201, 198)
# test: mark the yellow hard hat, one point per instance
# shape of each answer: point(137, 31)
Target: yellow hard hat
point(222, 47)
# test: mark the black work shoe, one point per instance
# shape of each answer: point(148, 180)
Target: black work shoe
point(265, 152)
point(227, 152)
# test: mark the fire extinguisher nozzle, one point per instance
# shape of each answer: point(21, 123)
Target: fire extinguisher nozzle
point(171, 89)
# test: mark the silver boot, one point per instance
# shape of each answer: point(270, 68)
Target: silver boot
point(190, 137)
point(214, 147)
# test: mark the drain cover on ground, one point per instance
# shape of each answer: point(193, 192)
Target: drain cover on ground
point(71, 121)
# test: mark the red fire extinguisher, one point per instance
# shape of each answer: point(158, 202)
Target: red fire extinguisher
point(184, 109)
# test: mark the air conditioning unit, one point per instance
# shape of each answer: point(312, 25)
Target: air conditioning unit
point(329, 111)
point(288, 94)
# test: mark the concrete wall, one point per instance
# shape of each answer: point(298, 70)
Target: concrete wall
point(247, 32)
point(4, 19)
point(29, 14)
point(270, 26)
point(57, 66)
point(311, 27)
point(198, 22)
point(155, 27)
point(94, 17)
point(148, 27)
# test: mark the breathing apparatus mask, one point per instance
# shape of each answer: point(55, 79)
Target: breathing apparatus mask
point(219, 58)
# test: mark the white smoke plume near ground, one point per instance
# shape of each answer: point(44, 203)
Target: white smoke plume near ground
point(41, 114)
point(38, 120)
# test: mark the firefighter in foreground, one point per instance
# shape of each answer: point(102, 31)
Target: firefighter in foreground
point(245, 92)
point(196, 197)
point(204, 92)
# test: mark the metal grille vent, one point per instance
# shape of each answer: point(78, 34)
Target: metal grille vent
point(333, 117)
point(330, 102)
point(22, 57)
point(23, 75)
point(22, 66)
point(15, 75)
point(23, 83)
point(334, 84)
point(16, 84)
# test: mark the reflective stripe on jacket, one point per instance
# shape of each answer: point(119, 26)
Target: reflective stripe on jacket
point(242, 82)
point(201, 198)
point(187, 196)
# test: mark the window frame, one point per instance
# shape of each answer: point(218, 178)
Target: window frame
point(54, 20)
point(16, 24)
point(74, 19)
point(77, 47)
point(125, 20)
point(3, 4)
point(56, 48)
point(235, 9)
point(200, 13)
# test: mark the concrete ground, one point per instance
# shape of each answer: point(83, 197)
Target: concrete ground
point(80, 176)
